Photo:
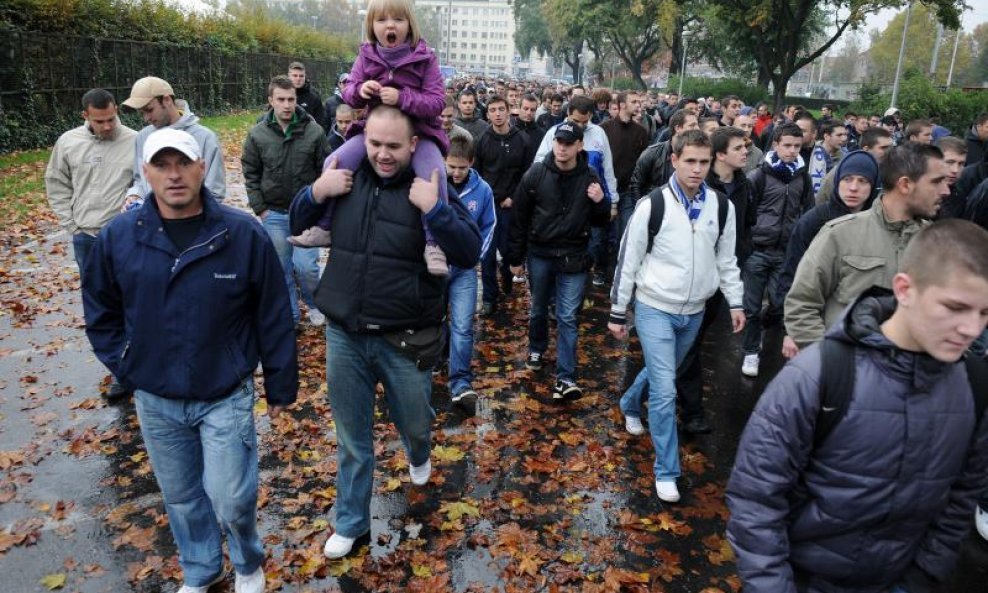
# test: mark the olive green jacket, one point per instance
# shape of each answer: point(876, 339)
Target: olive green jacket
point(850, 254)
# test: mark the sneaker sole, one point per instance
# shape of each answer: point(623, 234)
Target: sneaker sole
point(751, 374)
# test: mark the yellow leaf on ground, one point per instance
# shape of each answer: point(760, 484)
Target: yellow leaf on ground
point(338, 568)
point(451, 454)
point(421, 571)
point(392, 484)
point(572, 557)
point(456, 510)
point(53, 581)
point(138, 457)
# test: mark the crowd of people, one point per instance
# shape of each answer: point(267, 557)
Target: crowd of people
point(422, 188)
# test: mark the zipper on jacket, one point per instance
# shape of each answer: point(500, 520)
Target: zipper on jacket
point(126, 347)
point(204, 243)
point(782, 218)
point(370, 242)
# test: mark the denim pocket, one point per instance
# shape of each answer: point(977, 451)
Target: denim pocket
point(242, 402)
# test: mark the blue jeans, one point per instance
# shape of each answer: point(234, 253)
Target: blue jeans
point(542, 274)
point(488, 266)
point(665, 340)
point(760, 274)
point(462, 289)
point(82, 248)
point(204, 456)
point(626, 207)
point(354, 365)
point(300, 262)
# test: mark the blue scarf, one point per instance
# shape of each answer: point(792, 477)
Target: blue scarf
point(694, 205)
point(786, 170)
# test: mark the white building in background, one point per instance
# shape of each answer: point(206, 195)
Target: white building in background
point(476, 36)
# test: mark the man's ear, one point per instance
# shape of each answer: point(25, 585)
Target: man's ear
point(415, 141)
point(904, 288)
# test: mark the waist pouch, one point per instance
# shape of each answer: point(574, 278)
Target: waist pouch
point(422, 346)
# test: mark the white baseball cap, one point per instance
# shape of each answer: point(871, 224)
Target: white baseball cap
point(171, 138)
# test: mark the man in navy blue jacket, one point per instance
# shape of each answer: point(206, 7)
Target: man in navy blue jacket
point(183, 296)
point(874, 495)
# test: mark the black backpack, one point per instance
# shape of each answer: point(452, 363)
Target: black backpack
point(659, 210)
point(837, 385)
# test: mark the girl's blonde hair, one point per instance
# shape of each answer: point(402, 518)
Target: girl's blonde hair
point(401, 8)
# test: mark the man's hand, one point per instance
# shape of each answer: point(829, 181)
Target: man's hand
point(789, 348)
point(389, 95)
point(737, 320)
point(128, 201)
point(275, 411)
point(507, 203)
point(618, 330)
point(264, 214)
point(614, 214)
point(595, 193)
point(332, 183)
point(424, 194)
point(369, 89)
point(517, 270)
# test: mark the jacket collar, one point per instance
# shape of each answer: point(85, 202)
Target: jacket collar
point(151, 226)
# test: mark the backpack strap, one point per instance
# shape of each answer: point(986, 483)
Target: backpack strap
point(977, 376)
point(836, 386)
point(655, 216)
point(722, 209)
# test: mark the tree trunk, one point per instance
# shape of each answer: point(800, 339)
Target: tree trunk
point(676, 50)
point(779, 82)
point(764, 77)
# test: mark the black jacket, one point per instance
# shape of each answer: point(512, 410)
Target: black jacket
point(307, 98)
point(977, 205)
point(533, 131)
point(970, 178)
point(740, 196)
point(277, 165)
point(552, 213)
point(778, 203)
point(547, 119)
point(329, 111)
point(653, 169)
point(376, 279)
point(976, 152)
point(502, 159)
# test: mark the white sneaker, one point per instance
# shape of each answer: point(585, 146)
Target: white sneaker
point(316, 317)
point(634, 425)
point(204, 588)
point(981, 521)
point(420, 474)
point(338, 546)
point(749, 368)
point(252, 583)
point(667, 490)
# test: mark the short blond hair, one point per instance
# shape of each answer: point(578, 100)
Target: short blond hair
point(402, 8)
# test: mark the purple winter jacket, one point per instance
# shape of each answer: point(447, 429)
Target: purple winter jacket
point(418, 80)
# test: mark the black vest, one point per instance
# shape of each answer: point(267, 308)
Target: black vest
point(376, 279)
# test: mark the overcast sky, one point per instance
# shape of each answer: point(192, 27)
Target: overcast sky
point(974, 16)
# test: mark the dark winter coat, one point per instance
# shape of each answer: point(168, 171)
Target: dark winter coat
point(534, 133)
point(653, 169)
point(277, 164)
point(501, 159)
point(192, 324)
point(307, 98)
point(552, 213)
point(475, 125)
point(376, 279)
point(887, 499)
point(628, 141)
point(778, 205)
point(976, 148)
point(976, 209)
point(740, 196)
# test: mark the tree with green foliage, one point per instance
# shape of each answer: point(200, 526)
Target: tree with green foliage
point(786, 35)
point(883, 55)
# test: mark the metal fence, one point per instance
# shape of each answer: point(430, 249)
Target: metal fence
point(43, 77)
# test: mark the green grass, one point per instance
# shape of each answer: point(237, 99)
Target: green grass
point(25, 157)
point(230, 123)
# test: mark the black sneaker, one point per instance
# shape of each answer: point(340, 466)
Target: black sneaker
point(697, 426)
point(488, 309)
point(599, 279)
point(534, 361)
point(466, 401)
point(566, 391)
point(115, 392)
